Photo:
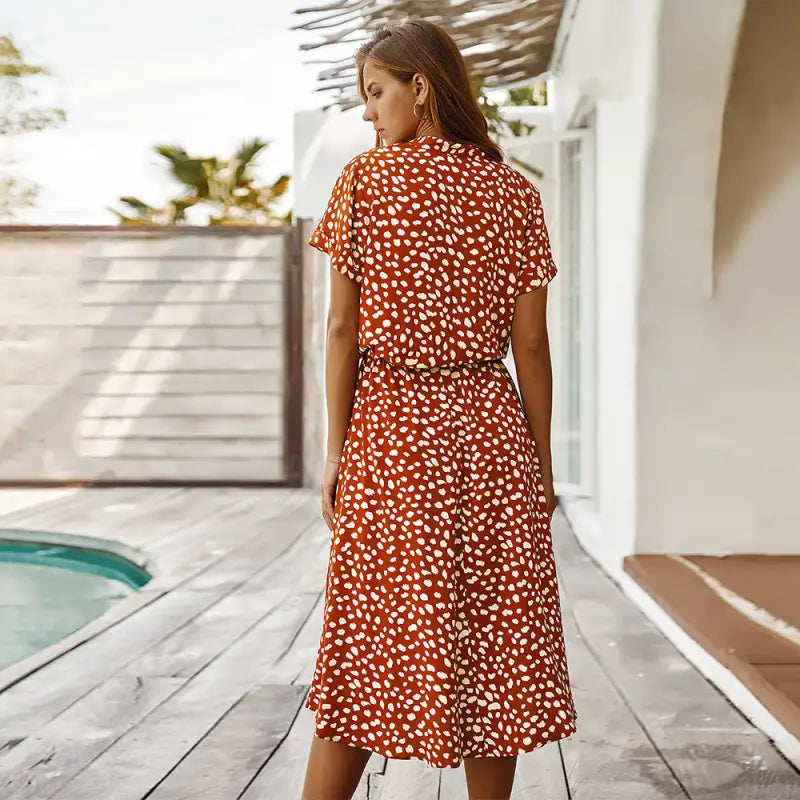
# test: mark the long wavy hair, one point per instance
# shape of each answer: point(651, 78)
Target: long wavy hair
point(421, 46)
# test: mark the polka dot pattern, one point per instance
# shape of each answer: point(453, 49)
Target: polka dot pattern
point(441, 239)
point(442, 634)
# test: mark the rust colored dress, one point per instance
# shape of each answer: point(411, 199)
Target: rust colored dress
point(442, 634)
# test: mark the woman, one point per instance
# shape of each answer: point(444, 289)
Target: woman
point(442, 636)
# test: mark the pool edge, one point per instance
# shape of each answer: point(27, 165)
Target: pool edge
point(137, 557)
point(146, 594)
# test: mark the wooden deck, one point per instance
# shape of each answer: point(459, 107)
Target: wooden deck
point(194, 687)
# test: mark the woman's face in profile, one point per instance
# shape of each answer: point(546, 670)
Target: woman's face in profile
point(390, 104)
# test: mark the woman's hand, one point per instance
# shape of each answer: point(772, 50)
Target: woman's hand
point(550, 494)
point(329, 478)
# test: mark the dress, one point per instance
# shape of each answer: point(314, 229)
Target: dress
point(442, 633)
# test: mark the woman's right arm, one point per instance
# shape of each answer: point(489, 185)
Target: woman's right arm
point(530, 346)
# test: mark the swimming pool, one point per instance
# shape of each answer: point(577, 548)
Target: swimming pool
point(50, 588)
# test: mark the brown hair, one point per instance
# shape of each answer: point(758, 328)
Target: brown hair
point(421, 46)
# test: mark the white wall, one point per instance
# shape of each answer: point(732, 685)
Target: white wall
point(697, 385)
point(324, 141)
point(609, 62)
point(719, 373)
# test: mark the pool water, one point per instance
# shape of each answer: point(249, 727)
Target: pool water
point(47, 591)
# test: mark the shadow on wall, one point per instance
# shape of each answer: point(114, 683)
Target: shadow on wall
point(759, 151)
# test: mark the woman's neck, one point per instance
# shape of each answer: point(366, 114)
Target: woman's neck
point(429, 129)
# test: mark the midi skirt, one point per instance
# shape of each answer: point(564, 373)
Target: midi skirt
point(442, 635)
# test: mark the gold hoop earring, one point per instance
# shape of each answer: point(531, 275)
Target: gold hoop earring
point(415, 111)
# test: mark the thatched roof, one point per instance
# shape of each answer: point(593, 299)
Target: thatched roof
point(505, 42)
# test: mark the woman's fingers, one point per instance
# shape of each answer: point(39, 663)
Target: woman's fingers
point(327, 507)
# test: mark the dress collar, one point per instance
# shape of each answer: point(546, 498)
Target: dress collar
point(438, 144)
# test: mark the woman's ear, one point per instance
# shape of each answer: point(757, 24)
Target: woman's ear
point(420, 86)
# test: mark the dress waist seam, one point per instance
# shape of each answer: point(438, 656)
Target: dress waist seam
point(368, 353)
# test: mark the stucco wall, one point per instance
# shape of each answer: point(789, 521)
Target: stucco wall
point(697, 378)
point(719, 375)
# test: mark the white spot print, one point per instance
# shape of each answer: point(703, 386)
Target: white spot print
point(441, 636)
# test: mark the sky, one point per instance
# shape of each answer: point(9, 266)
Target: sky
point(201, 74)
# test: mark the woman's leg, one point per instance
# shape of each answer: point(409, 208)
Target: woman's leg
point(333, 770)
point(490, 777)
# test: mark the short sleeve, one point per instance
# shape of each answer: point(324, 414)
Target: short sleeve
point(538, 267)
point(335, 234)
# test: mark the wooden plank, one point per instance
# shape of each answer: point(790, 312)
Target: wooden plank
point(145, 521)
point(201, 510)
point(540, 773)
point(189, 648)
point(405, 778)
point(137, 762)
point(179, 383)
point(14, 501)
point(284, 773)
point(252, 404)
point(293, 355)
point(31, 704)
point(299, 659)
point(237, 470)
point(296, 665)
point(82, 509)
point(711, 749)
point(135, 516)
point(170, 256)
point(453, 783)
point(102, 516)
point(111, 293)
point(18, 517)
point(183, 359)
point(214, 549)
point(179, 314)
point(224, 762)
point(191, 427)
point(610, 755)
point(194, 336)
point(179, 449)
point(41, 765)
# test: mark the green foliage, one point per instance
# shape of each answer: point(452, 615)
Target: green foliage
point(17, 116)
point(522, 96)
point(534, 95)
point(226, 187)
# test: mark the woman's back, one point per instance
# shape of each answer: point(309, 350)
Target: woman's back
point(442, 239)
point(441, 638)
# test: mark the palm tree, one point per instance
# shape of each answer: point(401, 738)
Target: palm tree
point(226, 187)
point(17, 116)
